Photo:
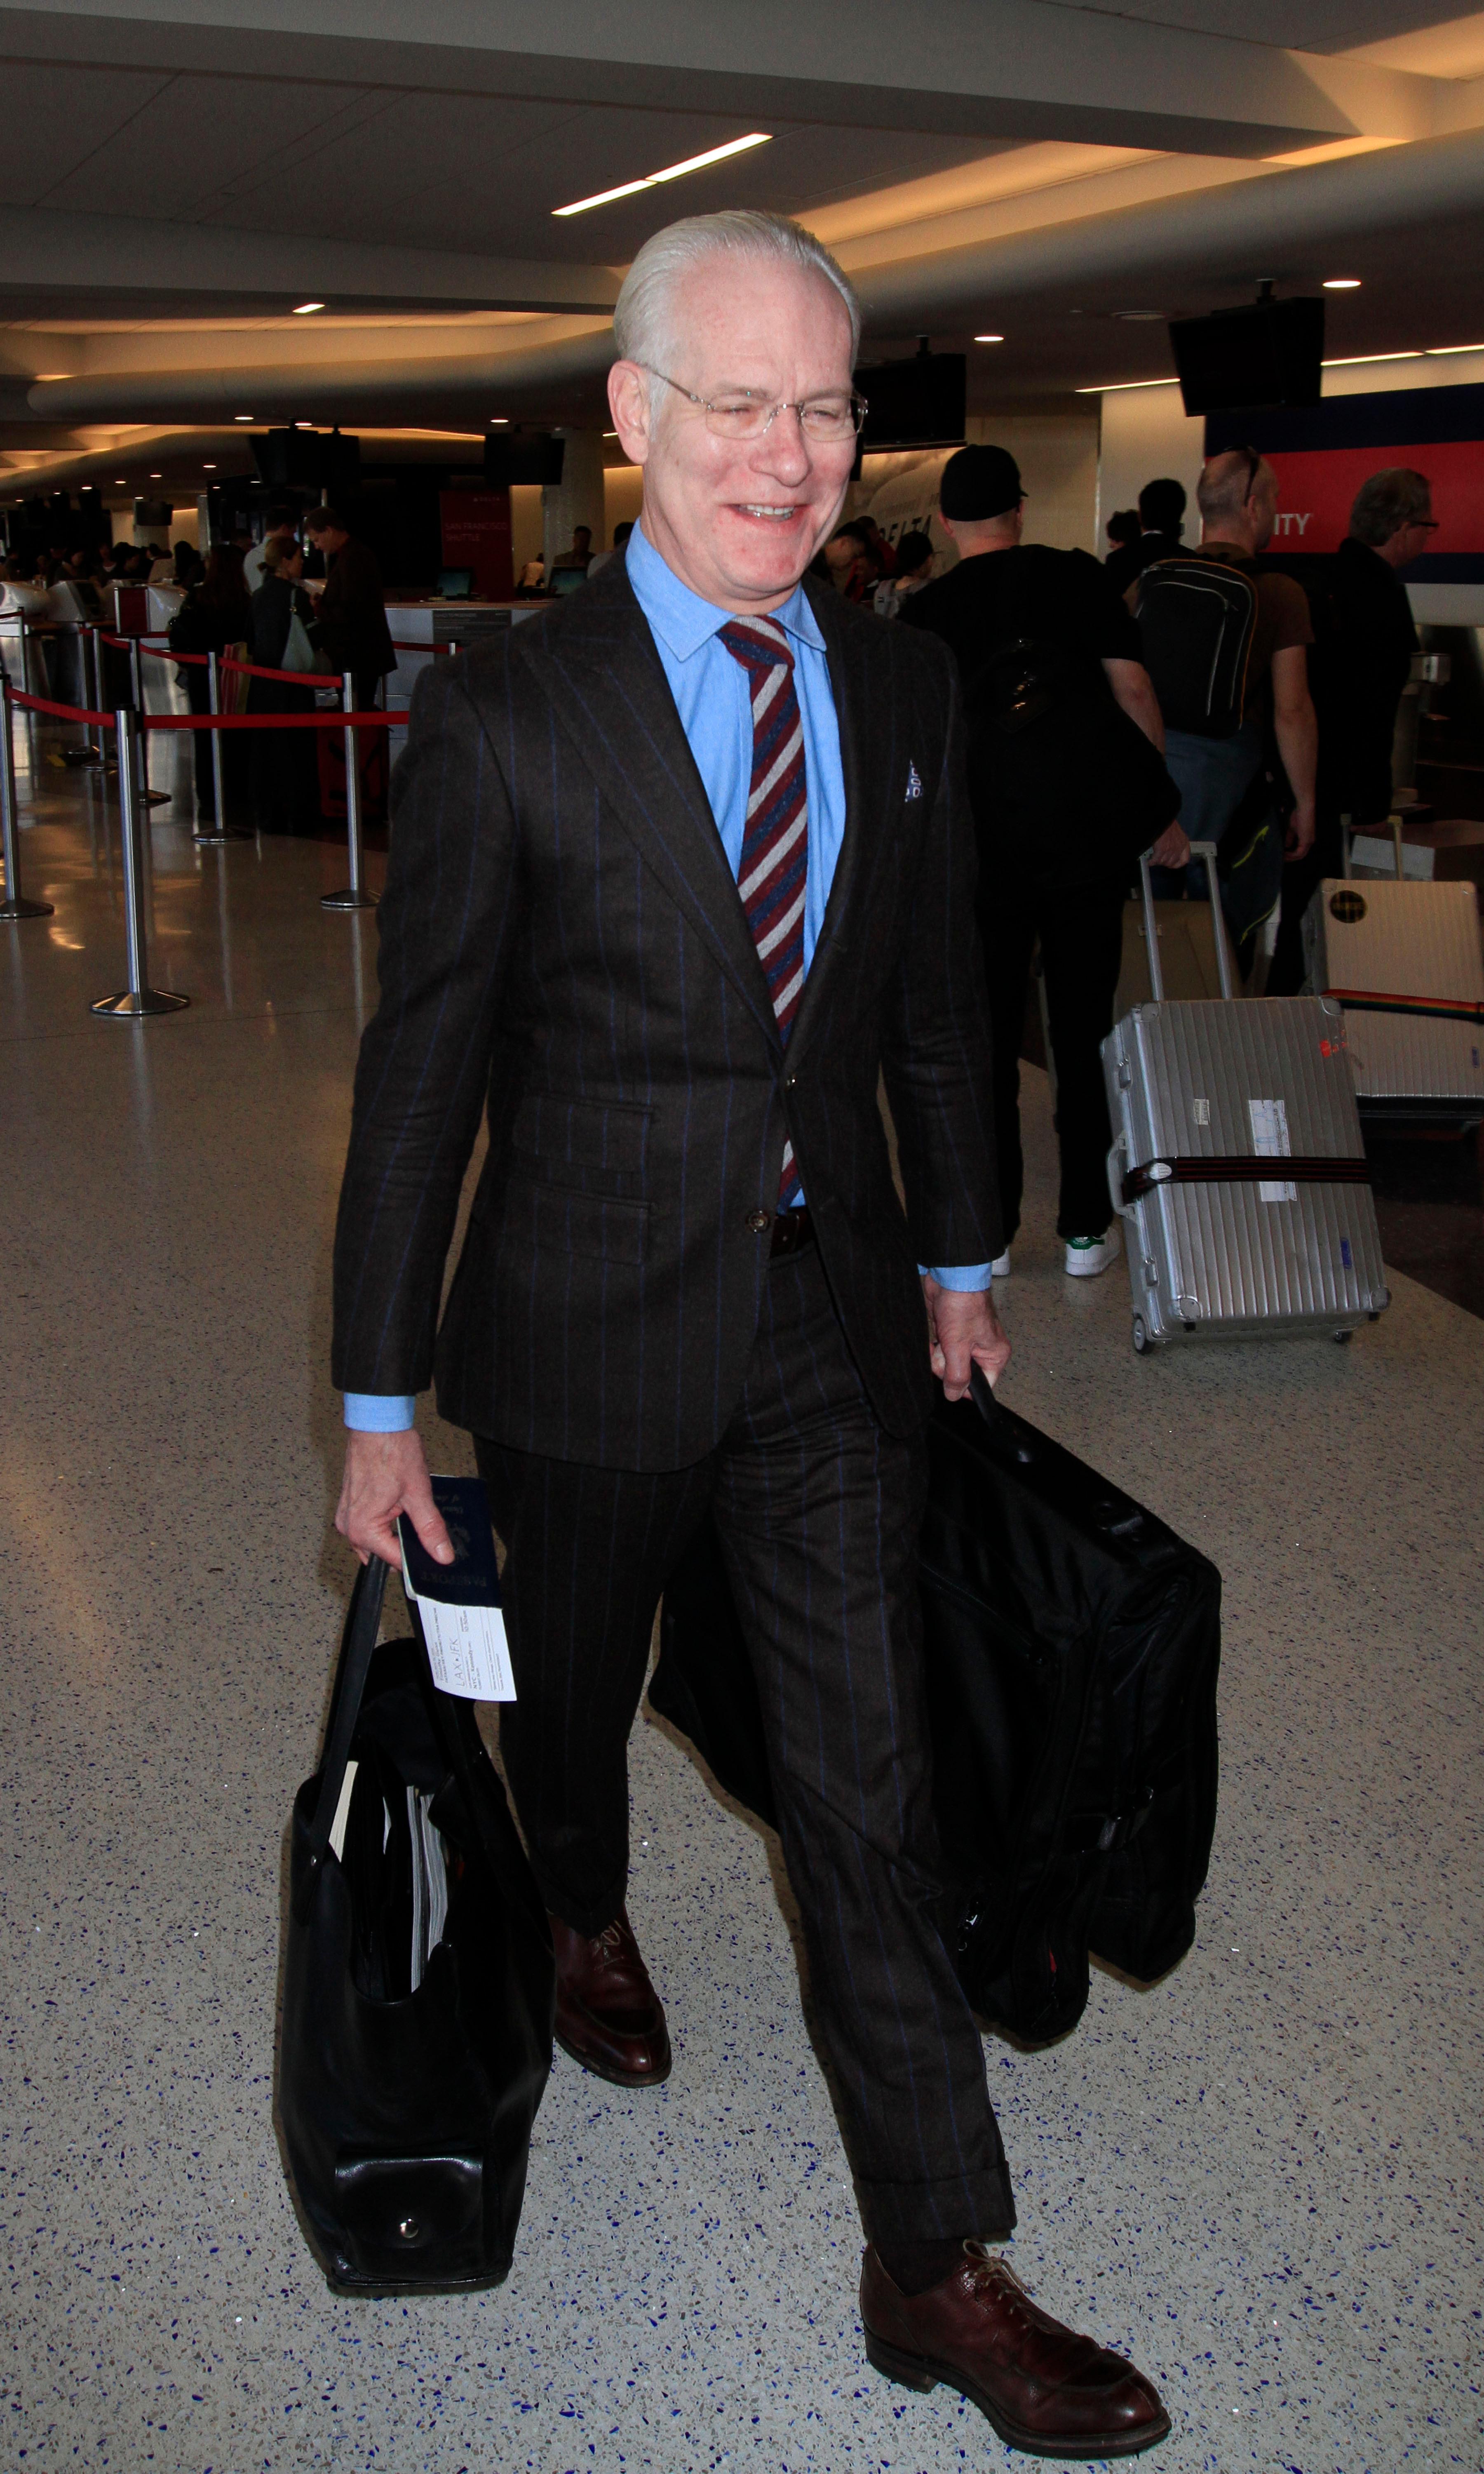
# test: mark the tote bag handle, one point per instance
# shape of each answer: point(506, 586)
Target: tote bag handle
point(357, 1643)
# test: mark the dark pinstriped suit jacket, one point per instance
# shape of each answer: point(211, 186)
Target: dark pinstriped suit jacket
point(560, 932)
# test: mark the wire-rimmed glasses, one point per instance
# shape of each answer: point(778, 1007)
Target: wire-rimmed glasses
point(824, 419)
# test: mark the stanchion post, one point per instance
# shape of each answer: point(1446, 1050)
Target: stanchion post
point(138, 1000)
point(150, 798)
point(351, 896)
point(224, 831)
point(14, 906)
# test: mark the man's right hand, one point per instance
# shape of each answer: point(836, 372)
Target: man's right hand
point(1300, 836)
point(386, 1474)
point(1172, 849)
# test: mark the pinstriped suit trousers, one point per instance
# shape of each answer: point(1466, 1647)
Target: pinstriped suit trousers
point(817, 1512)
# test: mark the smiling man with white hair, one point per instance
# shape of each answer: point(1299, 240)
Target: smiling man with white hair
point(680, 869)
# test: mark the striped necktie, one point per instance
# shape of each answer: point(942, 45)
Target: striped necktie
point(772, 875)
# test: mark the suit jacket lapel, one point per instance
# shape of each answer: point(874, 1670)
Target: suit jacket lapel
point(610, 693)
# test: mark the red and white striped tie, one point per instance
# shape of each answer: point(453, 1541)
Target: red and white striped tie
point(774, 872)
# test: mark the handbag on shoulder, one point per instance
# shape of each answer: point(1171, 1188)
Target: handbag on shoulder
point(417, 1984)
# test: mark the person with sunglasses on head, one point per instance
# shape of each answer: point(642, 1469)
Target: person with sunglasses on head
point(1364, 640)
point(680, 869)
point(1228, 785)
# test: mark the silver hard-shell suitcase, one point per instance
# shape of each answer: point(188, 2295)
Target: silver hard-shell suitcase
point(1238, 1167)
point(1405, 961)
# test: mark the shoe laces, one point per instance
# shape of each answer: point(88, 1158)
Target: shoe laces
point(988, 2271)
point(609, 1941)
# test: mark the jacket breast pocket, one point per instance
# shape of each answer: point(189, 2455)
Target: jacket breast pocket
point(564, 1138)
point(540, 1219)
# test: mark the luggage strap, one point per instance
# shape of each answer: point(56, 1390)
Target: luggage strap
point(1434, 1009)
point(1192, 1168)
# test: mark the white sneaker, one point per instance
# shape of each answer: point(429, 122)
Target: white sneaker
point(1087, 1256)
point(999, 1268)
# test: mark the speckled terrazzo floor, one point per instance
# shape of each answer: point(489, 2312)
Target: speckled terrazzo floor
point(1262, 2178)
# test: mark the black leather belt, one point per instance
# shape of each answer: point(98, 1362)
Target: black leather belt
point(792, 1232)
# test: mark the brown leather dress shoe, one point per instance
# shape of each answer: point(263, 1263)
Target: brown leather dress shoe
point(609, 2015)
point(1044, 2388)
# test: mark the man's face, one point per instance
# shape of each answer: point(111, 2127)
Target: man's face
point(739, 520)
point(330, 540)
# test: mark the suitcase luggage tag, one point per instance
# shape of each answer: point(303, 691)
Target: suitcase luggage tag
point(457, 1606)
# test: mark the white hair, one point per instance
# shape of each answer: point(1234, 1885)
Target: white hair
point(642, 327)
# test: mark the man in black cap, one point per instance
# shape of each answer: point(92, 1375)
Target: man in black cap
point(1067, 784)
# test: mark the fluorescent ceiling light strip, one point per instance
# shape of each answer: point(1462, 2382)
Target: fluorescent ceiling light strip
point(1445, 351)
point(1126, 386)
point(1360, 360)
point(671, 171)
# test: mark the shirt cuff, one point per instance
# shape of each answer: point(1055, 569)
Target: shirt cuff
point(380, 1413)
point(958, 1276)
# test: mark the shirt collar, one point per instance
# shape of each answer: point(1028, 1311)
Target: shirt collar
point(684, 619)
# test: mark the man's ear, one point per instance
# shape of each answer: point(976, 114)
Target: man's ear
point(627, 396)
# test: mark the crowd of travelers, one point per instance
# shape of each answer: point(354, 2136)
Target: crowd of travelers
point(1173, 692)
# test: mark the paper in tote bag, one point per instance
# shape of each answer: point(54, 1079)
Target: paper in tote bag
point(419, 1983)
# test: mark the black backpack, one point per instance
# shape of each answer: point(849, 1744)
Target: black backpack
point(1198, 616)
point(1070, 1644)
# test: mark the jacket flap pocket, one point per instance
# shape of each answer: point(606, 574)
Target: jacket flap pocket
point(559, 1219)
point(556, 1129)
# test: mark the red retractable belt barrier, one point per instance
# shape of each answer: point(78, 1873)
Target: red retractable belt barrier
point(336, 720)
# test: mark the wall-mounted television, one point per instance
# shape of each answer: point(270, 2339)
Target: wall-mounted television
point(919, 402)
point(1267, 352)
point(524, 458)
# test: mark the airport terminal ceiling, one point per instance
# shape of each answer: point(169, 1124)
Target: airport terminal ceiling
point(178, 179)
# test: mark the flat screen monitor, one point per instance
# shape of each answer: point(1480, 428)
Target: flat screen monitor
point(523, 459)
point(566, 579)
point(1243, 359)
point(455, 583)
point(919, 402)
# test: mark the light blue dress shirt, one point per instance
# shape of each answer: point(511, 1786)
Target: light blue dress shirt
point(713, 698)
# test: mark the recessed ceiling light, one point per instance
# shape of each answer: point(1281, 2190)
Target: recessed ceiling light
point(307, 308)
point(1342, 282)
point(241, 415)
point(499, 421)
point(671, 171)
point(157, 476)
point(120, 476)
point(208, 467)
point(304, 425)
point(989, 339)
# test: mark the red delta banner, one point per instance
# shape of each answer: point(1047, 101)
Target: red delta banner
point(1316, 487)
point(476, 528)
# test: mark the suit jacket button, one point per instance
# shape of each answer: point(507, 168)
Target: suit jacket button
point(758, 1221)
point(791, 1082)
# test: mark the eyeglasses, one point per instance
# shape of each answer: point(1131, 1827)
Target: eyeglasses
point(826, 419)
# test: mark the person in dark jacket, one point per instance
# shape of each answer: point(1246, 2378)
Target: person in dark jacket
point(1360, 660)
point(1066, 784)
point(284, 768)
point(1157, 534)
point(352, 613)
point(214, 618)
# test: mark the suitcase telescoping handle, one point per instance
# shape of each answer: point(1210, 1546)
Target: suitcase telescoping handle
point(1206, 852)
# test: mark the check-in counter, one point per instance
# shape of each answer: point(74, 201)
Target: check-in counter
point(423, 629)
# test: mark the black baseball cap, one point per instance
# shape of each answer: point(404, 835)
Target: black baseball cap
point(979, 483)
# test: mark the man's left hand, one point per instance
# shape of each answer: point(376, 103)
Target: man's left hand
point(965, 1331)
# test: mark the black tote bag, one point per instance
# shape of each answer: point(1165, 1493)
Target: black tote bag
point(1070, 1647)
point(419, 1983)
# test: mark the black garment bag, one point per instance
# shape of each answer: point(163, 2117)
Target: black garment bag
point(1072, 1644)
point(418, 1985)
